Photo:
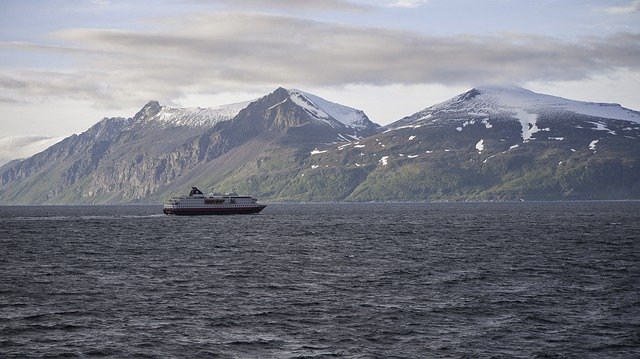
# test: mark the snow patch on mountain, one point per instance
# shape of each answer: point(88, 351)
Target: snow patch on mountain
point(326, 110)
point(299, 99)
point(517, 97)
point(488, 158)
point(528, 123)
point(465, 124)
point(487, 101)
point(196, 116)
point(602, 127)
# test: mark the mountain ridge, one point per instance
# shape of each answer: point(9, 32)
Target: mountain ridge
point(485, 144)
point(129, 159)
point(492, 98)
point(188, 116)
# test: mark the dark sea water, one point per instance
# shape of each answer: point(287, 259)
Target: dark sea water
point(320, 280)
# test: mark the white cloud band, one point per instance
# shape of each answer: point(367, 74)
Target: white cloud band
point(211, 53)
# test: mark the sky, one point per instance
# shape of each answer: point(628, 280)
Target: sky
point(65, 64)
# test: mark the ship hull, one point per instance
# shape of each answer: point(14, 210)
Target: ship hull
point(213, 210)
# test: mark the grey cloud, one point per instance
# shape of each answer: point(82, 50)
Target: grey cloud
point(91, 86)
point(300, 5)
point(16, 147)
point(629, 8)
point(212, 53)
point(8, 100)
point(407, 3)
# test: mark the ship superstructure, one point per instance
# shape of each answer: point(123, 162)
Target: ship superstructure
point(198, 203)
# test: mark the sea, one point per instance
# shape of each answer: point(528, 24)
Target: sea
point(367, 280)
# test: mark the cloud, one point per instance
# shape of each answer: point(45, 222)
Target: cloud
point(34, 86)
point(629, 8)
point(7, 100)
point(407, 3)
point(16, 147)
point(304, 5)
point(219, 52)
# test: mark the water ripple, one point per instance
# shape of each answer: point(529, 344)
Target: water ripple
point(306, 281)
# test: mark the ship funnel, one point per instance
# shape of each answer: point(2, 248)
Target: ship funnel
point(194, 190)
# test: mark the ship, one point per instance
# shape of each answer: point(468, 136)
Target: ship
point(197, 203)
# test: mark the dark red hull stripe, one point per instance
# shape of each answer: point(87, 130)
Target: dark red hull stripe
point(207, 211)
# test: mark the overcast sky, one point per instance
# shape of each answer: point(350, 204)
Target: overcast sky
point(65, 64)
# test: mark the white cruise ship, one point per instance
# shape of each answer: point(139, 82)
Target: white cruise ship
point(197, 203)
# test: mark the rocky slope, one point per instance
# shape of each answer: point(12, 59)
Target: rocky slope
point(489, 143)
point(493, 143)
point(162, 150)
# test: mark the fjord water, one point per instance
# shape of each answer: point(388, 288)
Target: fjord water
point(305, 280)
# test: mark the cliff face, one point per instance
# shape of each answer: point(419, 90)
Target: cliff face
point(485, 144)
point(159, 151)
point(49, 173)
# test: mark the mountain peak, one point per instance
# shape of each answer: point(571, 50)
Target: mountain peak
point(325, 110)
point(488, 101)
point(515, 97)
point(152, 104)
point(281, 92)
point(166, 116)
point(494, 91)
point(501, 89)
point(150, 109)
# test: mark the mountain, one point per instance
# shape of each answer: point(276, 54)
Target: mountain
point(324, 110)
point(482, 102)
point(498, 143)
point(162, 150)
point(489, 143)
point(155, 114)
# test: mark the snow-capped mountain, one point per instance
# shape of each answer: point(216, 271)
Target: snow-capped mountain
point(489, 143)
point(307, 118)
point(486, 104)
point(325, 110)
point(496, 143)
point(161, 149)
point(155, 113)
point(495, 98)
point(343, 118)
